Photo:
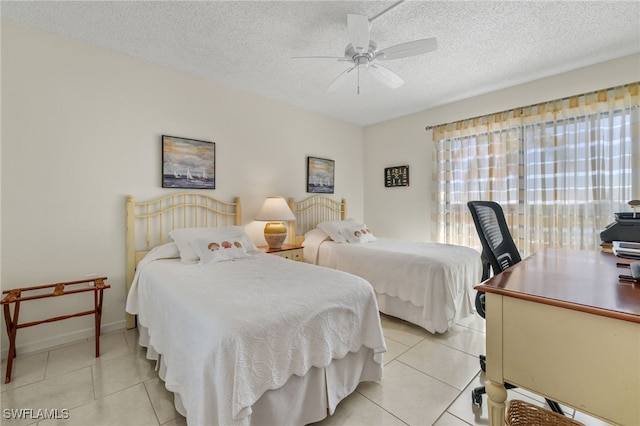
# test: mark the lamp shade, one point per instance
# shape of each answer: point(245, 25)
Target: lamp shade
point(275, 209)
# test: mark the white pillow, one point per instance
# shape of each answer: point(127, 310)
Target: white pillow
point(165, 251)
point(333, 227)
point(357, 234)
point(218, 250)
point(314, 236)
point(183, 237)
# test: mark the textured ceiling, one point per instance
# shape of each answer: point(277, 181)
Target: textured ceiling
point(482, 45)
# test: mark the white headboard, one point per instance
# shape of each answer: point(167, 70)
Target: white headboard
point(311, 211)
point(148, 223)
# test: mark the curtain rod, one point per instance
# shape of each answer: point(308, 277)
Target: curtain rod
point(484, 115)
point(521, 108)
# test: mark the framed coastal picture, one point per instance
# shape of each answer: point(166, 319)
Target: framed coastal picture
point(188, 163)
point(320, 175)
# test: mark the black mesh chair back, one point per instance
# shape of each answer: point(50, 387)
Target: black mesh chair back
point(498, 248)
point(500, 252)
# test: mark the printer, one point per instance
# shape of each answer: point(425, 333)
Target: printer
point(625, 228)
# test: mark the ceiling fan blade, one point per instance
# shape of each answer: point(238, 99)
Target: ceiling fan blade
point(410, 48)
point(359, 32)
point(386, 76)
point(341, 80)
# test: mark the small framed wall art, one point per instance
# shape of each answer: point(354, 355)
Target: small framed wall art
point(188, 163)
point(320, 175)
point(396, 176)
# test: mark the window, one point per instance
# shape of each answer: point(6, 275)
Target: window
point(560, 169)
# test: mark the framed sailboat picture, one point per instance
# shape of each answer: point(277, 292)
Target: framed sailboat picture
point(320, 175)
point(188, 163)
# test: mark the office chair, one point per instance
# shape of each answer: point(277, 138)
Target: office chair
point(499, 252)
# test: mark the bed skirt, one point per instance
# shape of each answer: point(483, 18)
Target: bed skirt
point(396, 307)
point(301, 400)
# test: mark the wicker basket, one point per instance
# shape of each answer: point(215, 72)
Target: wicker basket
point(520, 413)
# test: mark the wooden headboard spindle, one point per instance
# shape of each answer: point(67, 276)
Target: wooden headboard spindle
point(311, 211)
point(163, 215)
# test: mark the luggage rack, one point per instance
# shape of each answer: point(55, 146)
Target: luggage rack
point(15, 296)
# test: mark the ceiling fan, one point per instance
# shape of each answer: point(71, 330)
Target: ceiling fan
point(364, 55)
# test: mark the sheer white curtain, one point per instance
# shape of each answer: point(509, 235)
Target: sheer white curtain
point(477, 159)
point(560, 169)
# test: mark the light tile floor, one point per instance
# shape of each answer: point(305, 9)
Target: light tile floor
point(427, 381)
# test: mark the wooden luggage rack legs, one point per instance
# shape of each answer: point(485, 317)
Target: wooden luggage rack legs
point(15, 296)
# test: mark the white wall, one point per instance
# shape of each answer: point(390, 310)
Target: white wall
point(81, 129)
point(404, 212)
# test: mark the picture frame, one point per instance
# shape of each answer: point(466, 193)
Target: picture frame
point(320, 175)
point(188, 163)
point(396, 176)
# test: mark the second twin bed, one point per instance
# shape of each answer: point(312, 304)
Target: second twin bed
point(427, 284)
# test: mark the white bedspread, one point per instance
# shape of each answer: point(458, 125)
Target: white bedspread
point(429, 275)
point(229, 331)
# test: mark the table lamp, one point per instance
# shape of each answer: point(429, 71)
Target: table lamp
point(275, 211)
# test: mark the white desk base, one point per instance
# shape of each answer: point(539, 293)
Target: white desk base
point(586, 361)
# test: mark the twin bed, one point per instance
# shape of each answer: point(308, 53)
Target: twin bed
point(243, 337)
point(427, 284)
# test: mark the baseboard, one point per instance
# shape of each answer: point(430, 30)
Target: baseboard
point(63, 339)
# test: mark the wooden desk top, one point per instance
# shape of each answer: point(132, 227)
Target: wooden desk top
point(580, 280)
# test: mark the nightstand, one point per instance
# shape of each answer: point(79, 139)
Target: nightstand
point(288, 251)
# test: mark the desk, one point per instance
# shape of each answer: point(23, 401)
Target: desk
point(560, 324)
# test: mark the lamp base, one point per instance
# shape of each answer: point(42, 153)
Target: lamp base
point(275, 233)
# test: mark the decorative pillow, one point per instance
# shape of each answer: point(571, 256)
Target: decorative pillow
point(183, 237)
point(332, 228)
point(218, 250)
point(357, 234)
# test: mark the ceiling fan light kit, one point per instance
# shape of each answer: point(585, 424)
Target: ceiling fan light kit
point(364, 55)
